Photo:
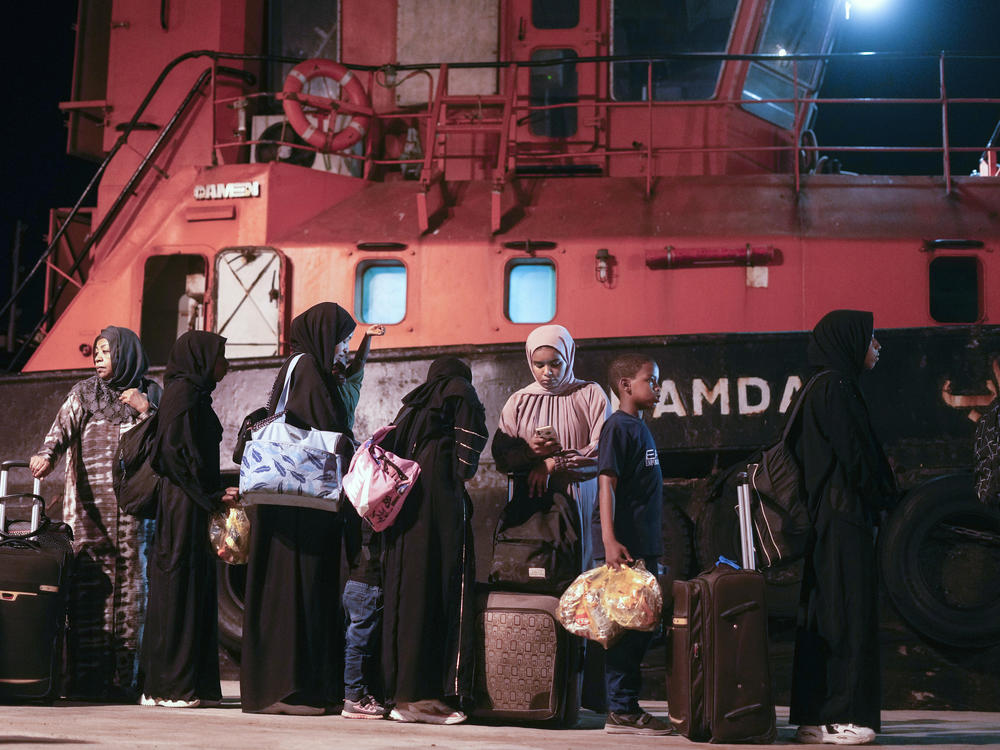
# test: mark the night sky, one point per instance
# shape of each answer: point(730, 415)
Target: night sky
point(39, 41)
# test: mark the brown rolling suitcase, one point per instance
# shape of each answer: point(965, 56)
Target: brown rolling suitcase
point(527, 663)
point(720, 682)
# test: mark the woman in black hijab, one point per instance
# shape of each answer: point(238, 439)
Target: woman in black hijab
point(180, 646)
point(836, 678)
point(428, 629)
point(292, 651)
point(108, 576)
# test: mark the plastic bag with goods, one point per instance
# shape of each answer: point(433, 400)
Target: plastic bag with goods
point(229, 535)
point(582, 612)
point(632, 597)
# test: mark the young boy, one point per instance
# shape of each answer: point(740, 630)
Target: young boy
point(626, 526)
point(362, 602)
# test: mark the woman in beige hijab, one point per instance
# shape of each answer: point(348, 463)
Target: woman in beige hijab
point(566, 457)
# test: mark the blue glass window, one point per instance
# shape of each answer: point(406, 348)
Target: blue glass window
point(531, 291)
point(380, 292)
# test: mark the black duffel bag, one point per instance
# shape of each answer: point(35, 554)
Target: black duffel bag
point(537, 544)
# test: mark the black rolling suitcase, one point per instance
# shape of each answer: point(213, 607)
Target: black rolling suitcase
point(527, 663)
point(35, 558)
point(720, 682)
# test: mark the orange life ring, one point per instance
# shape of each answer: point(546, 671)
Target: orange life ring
point(350, 89)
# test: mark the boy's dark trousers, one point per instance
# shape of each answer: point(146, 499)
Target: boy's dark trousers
point(623, 661)
point(363, 615)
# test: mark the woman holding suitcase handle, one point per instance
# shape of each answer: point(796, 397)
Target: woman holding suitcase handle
point(108, 585)
point(835, 697)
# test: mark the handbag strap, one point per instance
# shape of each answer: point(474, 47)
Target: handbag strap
point(798, 403)
point(280, 407)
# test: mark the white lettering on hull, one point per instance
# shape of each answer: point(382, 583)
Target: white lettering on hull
point(226, 191)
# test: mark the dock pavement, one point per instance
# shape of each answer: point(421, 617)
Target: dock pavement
point(94, 726)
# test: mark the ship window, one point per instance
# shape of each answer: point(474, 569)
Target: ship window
point(173, 295)
point(554, 84)
point(954, 289)
point(792, 27)
point(555, 14)
point(380, 291)
point(640, 27)
point(531, 291)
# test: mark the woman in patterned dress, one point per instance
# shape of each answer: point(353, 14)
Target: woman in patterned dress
point(108, 584)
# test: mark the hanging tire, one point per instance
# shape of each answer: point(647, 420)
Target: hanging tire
point(231, 587)
point(939, 556)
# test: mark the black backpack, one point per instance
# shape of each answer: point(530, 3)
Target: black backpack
point(777, 507)
point(537, 545)
point(137, 486)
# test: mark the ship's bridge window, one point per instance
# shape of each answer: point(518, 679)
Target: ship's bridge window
point(380, 291)
point(640, 27)
point(530, 291)
point(555, 14)
point(955, 289)
point(554, 84)
point(791, 27)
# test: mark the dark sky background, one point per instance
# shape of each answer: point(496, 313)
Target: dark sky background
point(39, 40)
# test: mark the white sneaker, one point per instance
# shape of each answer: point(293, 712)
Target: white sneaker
point(147, 701)
point(834, 734)
point(179, 703)
point(426, 712)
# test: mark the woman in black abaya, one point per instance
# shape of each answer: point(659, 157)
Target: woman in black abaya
point(836, 678)
point(180, 648)
point(292, 654)
point(429, 571)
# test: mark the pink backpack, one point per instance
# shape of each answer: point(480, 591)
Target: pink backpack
point(379, 481)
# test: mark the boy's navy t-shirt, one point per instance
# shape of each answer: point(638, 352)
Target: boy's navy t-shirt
point(626, 449)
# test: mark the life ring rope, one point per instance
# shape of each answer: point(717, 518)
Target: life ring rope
point(354, 102)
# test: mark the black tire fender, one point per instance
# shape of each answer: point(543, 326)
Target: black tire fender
point(939, 557)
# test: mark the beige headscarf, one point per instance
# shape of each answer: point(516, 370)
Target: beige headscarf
point(558, 338)
point(575, 408)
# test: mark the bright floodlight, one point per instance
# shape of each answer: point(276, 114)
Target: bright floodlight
point(864, 6)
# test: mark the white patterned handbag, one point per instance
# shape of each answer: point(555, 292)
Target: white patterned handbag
point(287, 465)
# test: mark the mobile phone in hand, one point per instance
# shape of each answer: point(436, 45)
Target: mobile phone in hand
point(547, 432)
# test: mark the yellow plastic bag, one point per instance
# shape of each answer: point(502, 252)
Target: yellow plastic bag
point(582, 612)
point(632, 597)
point(229, 535)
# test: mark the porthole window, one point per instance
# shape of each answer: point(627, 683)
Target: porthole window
point(954, 289)
point(380, 292)
point(530, 291)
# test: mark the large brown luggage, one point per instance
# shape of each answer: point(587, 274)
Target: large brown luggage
point(720, 683)
point(527, 664)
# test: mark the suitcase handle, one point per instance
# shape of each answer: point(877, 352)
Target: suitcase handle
point(38, 505)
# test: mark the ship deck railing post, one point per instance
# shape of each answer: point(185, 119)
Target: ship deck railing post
point(944, 126)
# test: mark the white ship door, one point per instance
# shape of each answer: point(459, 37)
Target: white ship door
point(249, 300)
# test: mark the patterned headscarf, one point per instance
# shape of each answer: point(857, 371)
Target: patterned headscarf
point(128, 366)
point(559, 339)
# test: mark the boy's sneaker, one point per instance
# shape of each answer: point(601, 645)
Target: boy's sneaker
point(834, 734)
point(365, 708)
point(640, 723)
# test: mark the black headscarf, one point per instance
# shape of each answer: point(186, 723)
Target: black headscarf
point(129, 365)
point(190, 375)
point(433, 390)
point(840, 341)
point(319, 329)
